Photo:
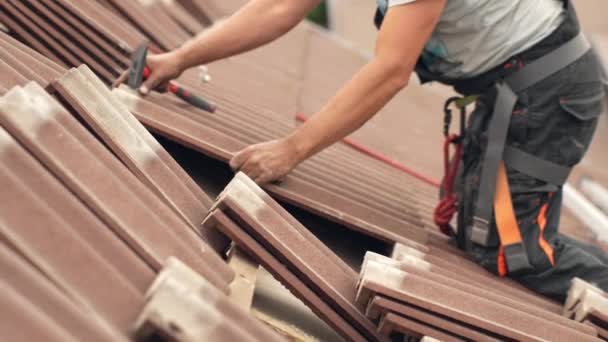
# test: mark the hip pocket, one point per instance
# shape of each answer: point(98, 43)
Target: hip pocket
point(580, 108)
point(558, 124)
point(586, 103)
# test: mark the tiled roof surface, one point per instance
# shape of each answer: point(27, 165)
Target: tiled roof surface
point(93, 206)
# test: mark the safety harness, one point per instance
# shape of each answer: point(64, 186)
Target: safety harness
point(494, 196)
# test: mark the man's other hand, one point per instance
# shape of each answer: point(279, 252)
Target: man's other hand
point(266, 162)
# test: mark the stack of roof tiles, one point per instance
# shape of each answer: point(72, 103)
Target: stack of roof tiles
point(93, 206)
point(588, 304)
point(412, 293)
point(83, 231)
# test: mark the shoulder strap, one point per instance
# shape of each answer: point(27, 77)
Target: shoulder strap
point(378, 18)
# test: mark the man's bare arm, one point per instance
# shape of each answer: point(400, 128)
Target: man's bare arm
point(255, 24)
point(404, 33)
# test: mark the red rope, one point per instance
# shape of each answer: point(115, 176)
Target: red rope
point(381, 157)
point(447, 206)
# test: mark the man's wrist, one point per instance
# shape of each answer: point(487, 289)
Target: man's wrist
point(300, 146)
point(180, 58)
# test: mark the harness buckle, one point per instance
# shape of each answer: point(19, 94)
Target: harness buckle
point(516, 258)
point(480, 231)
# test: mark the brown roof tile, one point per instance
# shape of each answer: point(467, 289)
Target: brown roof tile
point(24, 280)
point(104, 185)
point(381, 307)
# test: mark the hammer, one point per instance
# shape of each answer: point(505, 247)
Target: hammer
point(138, 72)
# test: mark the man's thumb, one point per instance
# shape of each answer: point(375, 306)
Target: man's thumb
point(240, 158)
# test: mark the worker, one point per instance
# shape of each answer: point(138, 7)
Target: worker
point(537, 91)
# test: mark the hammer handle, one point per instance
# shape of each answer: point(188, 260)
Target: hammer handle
point(194, 100)
point(185, 95)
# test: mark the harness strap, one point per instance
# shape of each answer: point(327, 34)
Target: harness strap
point(513, 250)
point(536, 167)
point(497, 135)
point(549, 64)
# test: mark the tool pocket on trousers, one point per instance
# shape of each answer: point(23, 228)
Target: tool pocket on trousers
point(581, 107)
point(586, 104)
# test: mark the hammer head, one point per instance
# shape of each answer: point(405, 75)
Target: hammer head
point(138, 64)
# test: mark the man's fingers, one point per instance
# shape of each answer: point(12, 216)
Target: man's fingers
point(148, 85)
point(240, 158)
point(269, 177)
point(245, 168)
point(263, 179)
point(162, 88)
point(121, 79)
point(251, 170)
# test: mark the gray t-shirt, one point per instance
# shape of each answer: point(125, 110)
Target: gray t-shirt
point(473, 36)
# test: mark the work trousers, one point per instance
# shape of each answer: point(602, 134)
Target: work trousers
point(555, 120)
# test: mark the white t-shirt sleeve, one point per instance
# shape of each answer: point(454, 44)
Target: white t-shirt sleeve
point(392, 3)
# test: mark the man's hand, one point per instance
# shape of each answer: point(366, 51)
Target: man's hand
point(164, 68)
point(266, 162)
point(270, 18)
